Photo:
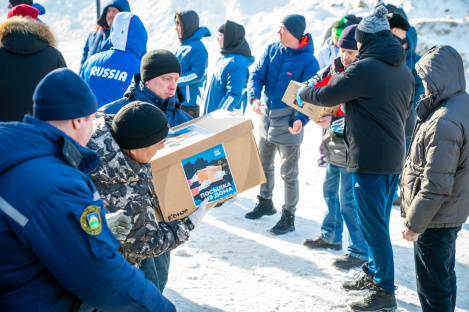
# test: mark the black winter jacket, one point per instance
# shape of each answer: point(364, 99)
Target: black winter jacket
point(27, 54)
point(378, 92)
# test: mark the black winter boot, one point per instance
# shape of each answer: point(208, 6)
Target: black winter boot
point(265, 207)
point(380, 300)
point(285, 225)
point(366, 281)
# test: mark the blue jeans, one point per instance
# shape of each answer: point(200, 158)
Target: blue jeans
point(338, 194)
point(434, 254)
point(373, 195)
point(156, 269)
point(407, 145)
point(289, 157)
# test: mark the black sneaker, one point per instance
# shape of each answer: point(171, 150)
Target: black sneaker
point(285, 225)
point(315, 243)
point(265, 207)
point(347, 261)
point(379, 300)
point(322, 163)
point(365, 281)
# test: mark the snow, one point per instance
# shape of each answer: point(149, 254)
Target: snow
point(235, 264)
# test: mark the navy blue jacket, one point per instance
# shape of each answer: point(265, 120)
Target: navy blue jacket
point(193, 57)
point(98, 39)
point(51, 259)
point(110, 73)
point(269, 81)
point(171, 107)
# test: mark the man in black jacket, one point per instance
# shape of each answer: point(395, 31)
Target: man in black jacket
point(27, 54)
point(378, 94)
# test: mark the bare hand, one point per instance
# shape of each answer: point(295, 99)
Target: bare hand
point(324, 121)
point(297, 127)
point(256, 106)
point(410, 236)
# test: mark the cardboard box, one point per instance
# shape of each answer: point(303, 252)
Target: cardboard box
point(214, 156)
point(314, 112)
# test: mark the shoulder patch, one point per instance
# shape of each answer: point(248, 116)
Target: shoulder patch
point(90, 220)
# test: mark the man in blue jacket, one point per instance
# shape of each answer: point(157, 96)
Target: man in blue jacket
point(289, 59)
point(110, 73)
point(227, 87)
point(98, 39)
point(157, 84)
point(193, 57)
point(56, 251)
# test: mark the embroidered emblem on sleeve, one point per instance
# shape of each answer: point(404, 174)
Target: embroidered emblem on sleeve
point(90, 220)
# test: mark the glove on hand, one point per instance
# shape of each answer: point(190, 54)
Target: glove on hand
point(338, 125)
point(298, 97)
point(199, 214)
point(119, 223)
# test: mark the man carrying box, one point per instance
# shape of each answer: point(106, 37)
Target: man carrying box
point(289, 59)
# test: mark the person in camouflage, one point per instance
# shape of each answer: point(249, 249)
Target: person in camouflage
point(124, 180)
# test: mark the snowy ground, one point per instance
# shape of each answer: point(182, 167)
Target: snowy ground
point(232, 263)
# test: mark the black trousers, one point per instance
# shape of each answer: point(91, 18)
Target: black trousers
point(434, 254)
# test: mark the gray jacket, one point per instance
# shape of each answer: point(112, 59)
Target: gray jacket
point(126, 184)
point(435, 179)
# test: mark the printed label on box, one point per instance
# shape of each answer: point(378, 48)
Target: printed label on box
point(183, 137)
point(209, 175)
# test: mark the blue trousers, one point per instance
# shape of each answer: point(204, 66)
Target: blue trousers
point(156, 269)
point(338, 194)
point(373, 197)
point(434, 254)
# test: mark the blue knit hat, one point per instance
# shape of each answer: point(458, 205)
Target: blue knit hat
point(295, 24)
point(371, 24)
point(347, 38)
point(63, 95)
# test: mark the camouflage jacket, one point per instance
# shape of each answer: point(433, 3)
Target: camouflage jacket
point(125, 184)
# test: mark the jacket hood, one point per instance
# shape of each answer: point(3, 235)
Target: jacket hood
point(234, 41)
point(122, 5)
point(138, 92)
point(412, 40)
point(384, 47)
point(442, 70)
point(190, 23)
point(200, 33)
point(117, 167)
point(308, 47)
point(39, 139)
point(129, 34)
point(24, 35)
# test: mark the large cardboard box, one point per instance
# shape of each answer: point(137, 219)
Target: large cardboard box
point(214, 156)
point(314, 112)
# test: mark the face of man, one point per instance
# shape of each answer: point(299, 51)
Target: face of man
point(401, 33)
point(85, 130)
point(111, 14)
point(348, 56)
point(220, 38)
point(163, 86)
point(287, 39)
point(144, 155)
point(179, 27)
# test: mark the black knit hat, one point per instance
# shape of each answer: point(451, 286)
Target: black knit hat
point(398, 20)
point(139, 125)
point(18, 2)
point(295, 24)
point(158, 62)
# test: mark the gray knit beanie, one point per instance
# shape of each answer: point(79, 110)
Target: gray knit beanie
point(372, 24)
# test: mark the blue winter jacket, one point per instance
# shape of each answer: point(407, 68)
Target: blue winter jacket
point(227, 88)
point(52, 257)
point(269, 81)
point(98, 39)
point(193, 57)
point(411, 58)
point(138, 92)
point(110, 73)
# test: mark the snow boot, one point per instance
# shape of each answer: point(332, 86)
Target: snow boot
point(379, 300)
point(319, 243)
point(348, 261)
point(265, 207)
point(366, 281)
point(285, 225)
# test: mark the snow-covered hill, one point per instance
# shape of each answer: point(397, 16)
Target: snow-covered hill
point(234, 264)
